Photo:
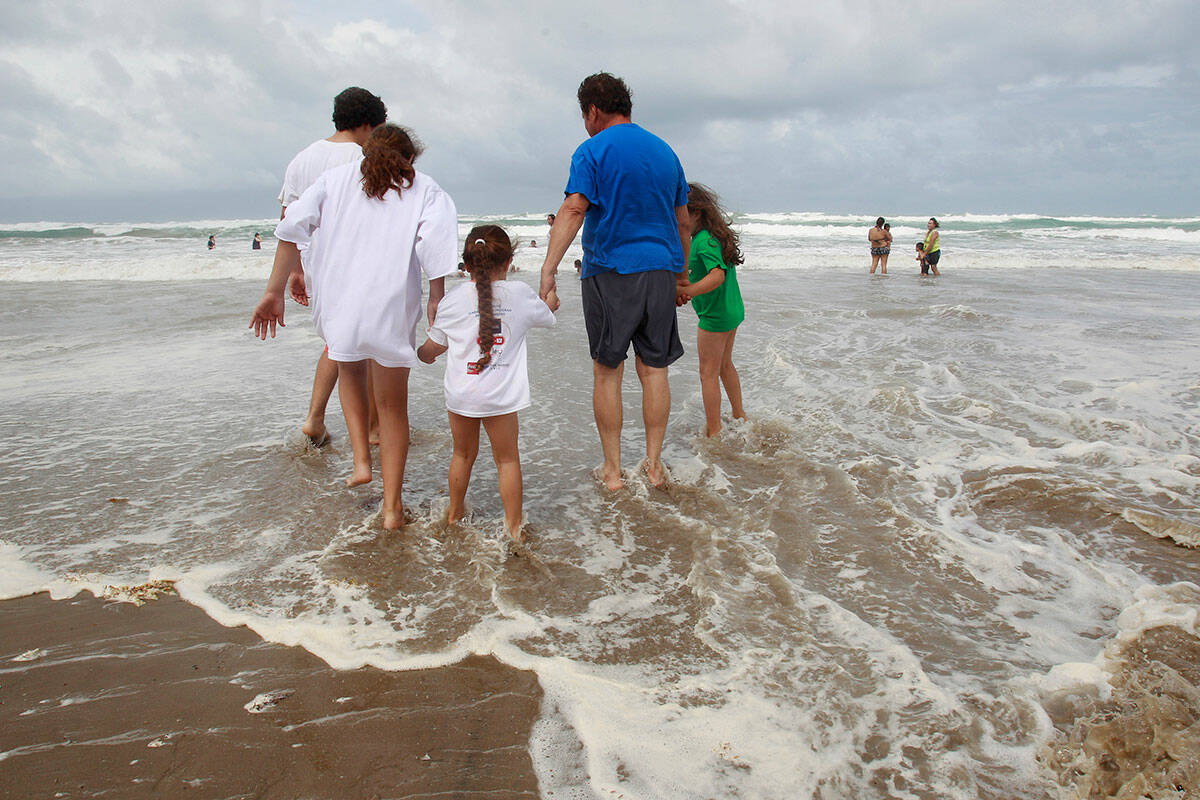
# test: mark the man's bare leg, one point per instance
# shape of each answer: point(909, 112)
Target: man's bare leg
point(352, 391)
point(883, 264)
point(606, 404)
point(324, 380)
point(391, 398)
point(656, 409)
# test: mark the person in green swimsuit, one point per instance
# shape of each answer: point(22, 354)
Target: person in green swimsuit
point(715, 296)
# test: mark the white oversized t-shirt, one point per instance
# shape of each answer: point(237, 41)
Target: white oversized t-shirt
point(366, 264)
point(503, 385)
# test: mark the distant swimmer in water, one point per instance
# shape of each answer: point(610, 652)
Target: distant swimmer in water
point(881, 246)
point(578, 265)
point(212, 241)
point(921, 258)
point(257, 243)
point(533, 242)
point(932, 246)
point(483, 326)
point(717, 300)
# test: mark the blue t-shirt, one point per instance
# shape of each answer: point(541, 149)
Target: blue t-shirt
point(633, 183)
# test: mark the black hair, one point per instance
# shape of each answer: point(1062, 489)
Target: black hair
point(607, 93)
point(879, 221)
point(355, 107)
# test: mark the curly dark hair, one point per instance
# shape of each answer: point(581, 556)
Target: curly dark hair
point(356, 107)
point(388, 157)
point(607, 93)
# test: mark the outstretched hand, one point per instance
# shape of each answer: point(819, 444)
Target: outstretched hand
point(267, 313)
point(297, 288)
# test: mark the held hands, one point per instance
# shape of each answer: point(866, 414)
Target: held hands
point(683, 295)
point(267, 313)
point(551, 300)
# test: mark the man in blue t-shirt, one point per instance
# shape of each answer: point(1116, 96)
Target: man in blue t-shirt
point(628, 192)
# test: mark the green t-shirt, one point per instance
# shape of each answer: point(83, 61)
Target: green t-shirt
point(721, 309)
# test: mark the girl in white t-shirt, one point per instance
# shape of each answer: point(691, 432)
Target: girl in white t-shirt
point(482, 325)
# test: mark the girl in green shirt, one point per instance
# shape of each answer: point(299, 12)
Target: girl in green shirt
point(715, 296)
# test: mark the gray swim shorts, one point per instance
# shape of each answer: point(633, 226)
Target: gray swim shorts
point(638, 308)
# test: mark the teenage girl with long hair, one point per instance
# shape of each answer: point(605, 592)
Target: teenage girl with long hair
point(717, 299)
point(382, 224)
point(482, 324)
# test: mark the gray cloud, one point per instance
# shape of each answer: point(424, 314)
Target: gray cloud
point(852, 106)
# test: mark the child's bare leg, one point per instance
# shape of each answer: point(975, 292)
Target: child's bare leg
point(372, 411)
point(352, 391)
point(710, 347)
point(324, 379)
point(391, 397)
point(465, 431)
point(730, 378)
point(502, 433)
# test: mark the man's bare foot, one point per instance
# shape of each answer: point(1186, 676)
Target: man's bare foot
point(516, 532)
point(394, 520)
point(315, 432)
point(361, 475)
point(710, 431)
point(454, 515)
point(656, 473)
point(611, 480)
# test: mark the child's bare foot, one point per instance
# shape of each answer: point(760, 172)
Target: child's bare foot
point(361, 475)
point(611, 480)
point(394, 520)
point(517, 531)
point(373, 437)
point(656, 473)
point(315, 432)
point(454, 515)
point(712, 430)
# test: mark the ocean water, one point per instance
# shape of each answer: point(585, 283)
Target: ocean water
point(931, 564)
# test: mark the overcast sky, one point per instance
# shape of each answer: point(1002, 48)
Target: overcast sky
point(154, 110)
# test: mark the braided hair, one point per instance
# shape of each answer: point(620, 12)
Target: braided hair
point(388, 157)
point(486, 254)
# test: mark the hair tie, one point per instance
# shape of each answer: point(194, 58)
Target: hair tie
point(480, 241)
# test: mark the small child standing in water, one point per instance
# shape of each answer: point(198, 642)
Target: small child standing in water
point(717, 299)
point(483, 325)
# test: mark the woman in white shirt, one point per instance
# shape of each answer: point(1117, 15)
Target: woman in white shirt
point(483, 325)
point(382, 224)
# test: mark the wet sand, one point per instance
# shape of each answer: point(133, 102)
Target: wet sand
point(112, 699)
